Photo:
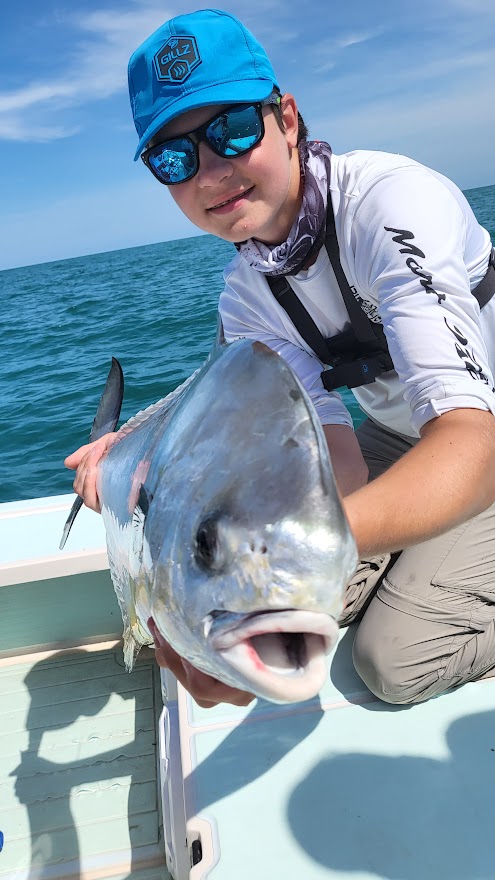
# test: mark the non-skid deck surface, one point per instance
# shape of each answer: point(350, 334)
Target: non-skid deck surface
point(346, 788)
point(78, 764)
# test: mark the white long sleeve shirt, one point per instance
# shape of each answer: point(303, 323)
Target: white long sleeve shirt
point(412, 249)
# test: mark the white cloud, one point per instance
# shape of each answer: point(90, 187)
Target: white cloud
point(15, 130)
point(97, 69)
point(394, 74)
point(452, 63)
point(326, 54)
point(33, 94)
point(353, 39)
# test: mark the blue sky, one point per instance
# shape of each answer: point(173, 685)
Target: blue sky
point(414, 78)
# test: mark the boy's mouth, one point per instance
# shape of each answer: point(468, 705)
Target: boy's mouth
point(231, 200)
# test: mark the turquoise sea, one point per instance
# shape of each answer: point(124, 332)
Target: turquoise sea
point(153, 307)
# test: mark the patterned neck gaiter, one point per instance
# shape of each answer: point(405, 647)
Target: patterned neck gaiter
point(308, 230)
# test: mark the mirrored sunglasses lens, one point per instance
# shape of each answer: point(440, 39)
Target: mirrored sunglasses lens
point(235, 132)
point(174, 162)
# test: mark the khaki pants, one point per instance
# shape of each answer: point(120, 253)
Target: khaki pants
point(428, 613)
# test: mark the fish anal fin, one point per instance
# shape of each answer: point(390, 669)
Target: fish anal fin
point(131, 649)
point(70, 519)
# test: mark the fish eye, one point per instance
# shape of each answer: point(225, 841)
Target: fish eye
point(207, 550)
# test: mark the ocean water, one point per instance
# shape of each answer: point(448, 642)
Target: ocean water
point(153, 307)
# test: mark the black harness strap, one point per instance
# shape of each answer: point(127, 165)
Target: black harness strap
point(361, 324)
point(360, 354)
point(301, 318)
point(357, 355)
point(486, 288)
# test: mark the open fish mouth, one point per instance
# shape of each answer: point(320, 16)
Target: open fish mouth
point(282, 654)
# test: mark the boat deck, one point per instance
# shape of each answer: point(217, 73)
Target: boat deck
point(78, 767)
point(343, 786)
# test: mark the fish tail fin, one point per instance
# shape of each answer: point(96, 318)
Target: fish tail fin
point(106, 418)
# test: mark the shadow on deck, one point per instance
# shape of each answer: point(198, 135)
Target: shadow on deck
point(78, 768)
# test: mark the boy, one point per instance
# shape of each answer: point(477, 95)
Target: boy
point(375, 266)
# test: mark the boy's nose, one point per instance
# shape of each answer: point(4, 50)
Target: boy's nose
point(212, 168)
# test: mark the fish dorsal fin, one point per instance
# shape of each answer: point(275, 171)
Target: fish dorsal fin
point(106, 418)
point(108, 412)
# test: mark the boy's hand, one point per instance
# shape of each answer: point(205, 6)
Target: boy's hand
point(207, 691)
point(84, 461)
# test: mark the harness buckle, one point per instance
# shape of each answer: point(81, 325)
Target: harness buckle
point(357, 372)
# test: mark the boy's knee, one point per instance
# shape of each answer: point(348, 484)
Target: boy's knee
point(378, 662)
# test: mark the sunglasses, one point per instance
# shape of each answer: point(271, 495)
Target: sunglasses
point(233, 132)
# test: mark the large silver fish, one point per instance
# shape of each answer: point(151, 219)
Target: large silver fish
point(224, 525)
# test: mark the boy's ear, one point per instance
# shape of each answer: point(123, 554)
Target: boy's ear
point(288, 108)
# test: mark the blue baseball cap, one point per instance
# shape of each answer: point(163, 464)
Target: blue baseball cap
point(206, 57)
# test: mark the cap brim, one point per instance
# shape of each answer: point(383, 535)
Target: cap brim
point(223, 93)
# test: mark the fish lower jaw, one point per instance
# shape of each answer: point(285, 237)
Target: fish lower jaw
point(281, 667)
